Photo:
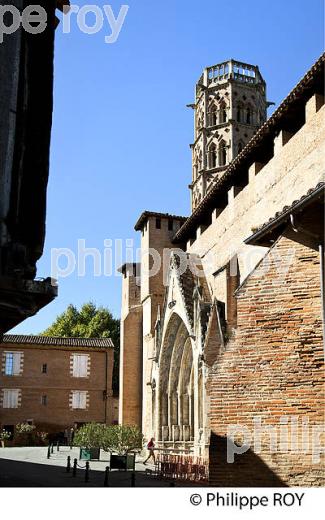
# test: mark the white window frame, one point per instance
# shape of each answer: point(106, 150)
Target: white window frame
point(80, 365)
point(79, 399)
point(10, 398)
point(16, 363)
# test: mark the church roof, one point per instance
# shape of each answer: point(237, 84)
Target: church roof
point(312, 82)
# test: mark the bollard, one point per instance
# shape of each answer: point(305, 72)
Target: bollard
point(68, 464)
point(133, 479)
point(49, 452)
point(106, 479)
point(58, 446)
point(74, 470)
point(52, 448)
point(87, 472)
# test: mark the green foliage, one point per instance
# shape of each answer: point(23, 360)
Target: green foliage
point(89, 322)
point(123, 439)
point(118, 439)
point(4, 435)
point(90, 436)
point(24, 428)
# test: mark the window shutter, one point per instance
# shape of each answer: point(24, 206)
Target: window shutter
point(5, 403)
point(83, 400)
point(13, 401)
point(10, 399)
point(76, 365)
point(83, 366)
point(75, 400)
point(16, 363)
point(80, 365)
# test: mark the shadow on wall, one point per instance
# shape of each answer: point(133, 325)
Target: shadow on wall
point(247, 470)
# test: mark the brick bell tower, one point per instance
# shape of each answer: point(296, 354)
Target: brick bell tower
point(230, 105)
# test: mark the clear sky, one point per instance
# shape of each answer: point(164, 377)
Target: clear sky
point(121, 129)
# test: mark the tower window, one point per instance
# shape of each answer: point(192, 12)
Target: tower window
point(248, 116)
point(44, 400)
point(239, 114)
point(223, 113)
point(213, 115)
point(158, 223)
point(222, 154)
point(44, 368)
point(170, 225)
point(213, 156)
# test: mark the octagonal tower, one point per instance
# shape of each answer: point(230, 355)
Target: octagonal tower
point(230, 105)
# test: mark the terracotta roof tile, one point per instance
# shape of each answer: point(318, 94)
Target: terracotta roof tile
point(58, 341)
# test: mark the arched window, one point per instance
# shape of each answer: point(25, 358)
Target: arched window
point(213, 156)
point(222, 154)
point(199, 120)
point(213, 115)
point(195, 170)
point(240, 147)
point(200, 162)
point(223, 113)
point(248, 116)
point(239, 113)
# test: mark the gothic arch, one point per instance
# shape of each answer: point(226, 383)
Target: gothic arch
point(222, 153)
point(213, 156)
point(240, 147)
point(239, 112)
point(249, 114)
point(213, 114)
point(176, 390)
point(200, 119)
point(223, 112)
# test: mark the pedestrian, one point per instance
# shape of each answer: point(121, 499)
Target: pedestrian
point(66, 437)
point(151, 449)
point(71, 436)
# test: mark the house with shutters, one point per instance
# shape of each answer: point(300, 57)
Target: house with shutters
point(55, 383)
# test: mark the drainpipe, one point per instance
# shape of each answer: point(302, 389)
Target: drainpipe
point(106, 388)
point(322, 287)
point(298, 228)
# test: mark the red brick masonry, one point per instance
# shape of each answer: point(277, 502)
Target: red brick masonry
point(272, 367)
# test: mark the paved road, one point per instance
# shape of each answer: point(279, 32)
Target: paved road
point(29, 467)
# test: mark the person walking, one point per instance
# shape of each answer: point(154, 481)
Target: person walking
point(71, 437)
point(151, 449)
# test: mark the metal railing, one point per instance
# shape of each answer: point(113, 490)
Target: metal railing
point(182, 467)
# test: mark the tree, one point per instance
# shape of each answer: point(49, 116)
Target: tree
point(89, 322)
point(116, 439)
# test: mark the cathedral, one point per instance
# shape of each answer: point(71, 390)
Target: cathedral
point(222, 321)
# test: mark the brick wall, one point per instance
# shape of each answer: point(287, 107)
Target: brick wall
point(130, 412)
point(57, 384)
point(271, 368)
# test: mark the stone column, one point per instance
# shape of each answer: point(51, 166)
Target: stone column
point(186, 404)
point(163, 413)
point(173, 409)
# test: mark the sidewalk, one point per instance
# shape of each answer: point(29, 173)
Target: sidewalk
point(29, 467)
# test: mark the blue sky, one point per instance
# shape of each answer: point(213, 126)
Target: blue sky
point(121, 129)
